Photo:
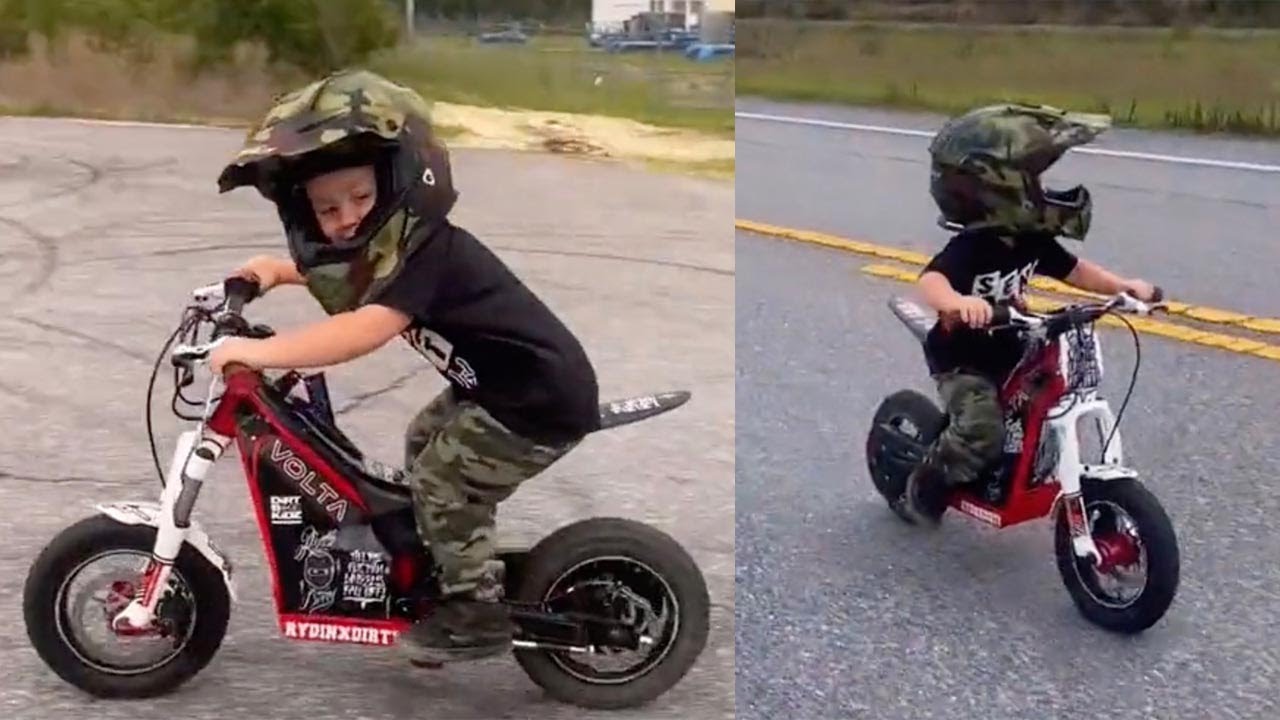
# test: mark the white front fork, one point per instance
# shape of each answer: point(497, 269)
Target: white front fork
point(196, 451)
point(1071, 470)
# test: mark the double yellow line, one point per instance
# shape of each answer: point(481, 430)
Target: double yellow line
point(1174, 331)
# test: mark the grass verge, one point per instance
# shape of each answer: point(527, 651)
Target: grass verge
point(658, 108)
point(553, 74)
point(714, 169)
point(565, 75)
point(1181, 79)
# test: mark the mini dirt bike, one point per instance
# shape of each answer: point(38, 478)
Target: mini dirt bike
point(1109, 529)
point(347, 564)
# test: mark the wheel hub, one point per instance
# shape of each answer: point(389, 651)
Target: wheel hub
point(117, 598)
point(634, 596)
point(94, 594)
point(1117, 550)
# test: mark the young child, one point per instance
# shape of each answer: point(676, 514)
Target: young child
point(986, 168)
point(363, 190)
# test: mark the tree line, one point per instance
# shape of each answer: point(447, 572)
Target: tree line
point(315, 35)
point(1146, 13)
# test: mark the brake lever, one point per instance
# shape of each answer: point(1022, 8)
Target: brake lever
point(185, 355)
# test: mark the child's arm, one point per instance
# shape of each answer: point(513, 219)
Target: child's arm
point(269, 271)
point(1092, 276)
point(287, 272)
point(936, 291)
point(342, 337)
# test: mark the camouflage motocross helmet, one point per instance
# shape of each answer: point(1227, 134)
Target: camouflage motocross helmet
point(349, 118)
point(986, 167)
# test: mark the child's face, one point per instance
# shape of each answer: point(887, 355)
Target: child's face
point(341, 199)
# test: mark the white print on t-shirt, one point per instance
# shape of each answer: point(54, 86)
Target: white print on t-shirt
point(997, 288)
point(439, 352)
point(462, 373)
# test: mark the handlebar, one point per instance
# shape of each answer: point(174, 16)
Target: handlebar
point(1009, 317)
point(239, 292)
point(222, 303)
point(234, 292)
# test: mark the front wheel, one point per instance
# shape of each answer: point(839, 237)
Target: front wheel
point(1136, 582)
point(90, 572)
point(630, 572)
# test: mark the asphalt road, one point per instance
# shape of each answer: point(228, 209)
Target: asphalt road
point(103, 232)
point(843, 611)
point(1206, 234)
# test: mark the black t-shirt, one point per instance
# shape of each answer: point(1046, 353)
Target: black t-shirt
point(982, 264)
point(493, 339)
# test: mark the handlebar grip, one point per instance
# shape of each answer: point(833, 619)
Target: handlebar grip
point(1000, 315)
point(239, 291)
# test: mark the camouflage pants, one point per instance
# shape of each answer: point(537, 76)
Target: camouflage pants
point(461, 463)
point(975, 435)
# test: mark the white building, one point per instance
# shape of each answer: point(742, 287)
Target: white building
point(612, 13)
point(609, 13)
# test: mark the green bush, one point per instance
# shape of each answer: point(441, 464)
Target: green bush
point(314, 35)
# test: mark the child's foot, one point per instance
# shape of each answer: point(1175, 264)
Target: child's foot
point(459, 629)
point(925, 499)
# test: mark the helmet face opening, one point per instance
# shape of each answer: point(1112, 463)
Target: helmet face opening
point(1070, 212)
point(307, 243)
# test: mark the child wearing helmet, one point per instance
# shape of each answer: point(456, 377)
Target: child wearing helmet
point(363, 189)
point(985, 180)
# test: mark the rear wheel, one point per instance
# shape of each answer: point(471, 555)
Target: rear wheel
point(90, 572)
point(1134, 585)
point(904, 426)
point(629, 572)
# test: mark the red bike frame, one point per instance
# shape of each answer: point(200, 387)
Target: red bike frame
point(316, 479)
point(1032, 389)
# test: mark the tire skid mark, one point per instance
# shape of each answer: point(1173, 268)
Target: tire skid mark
point(48, 248)
point(505, 248)
point(95, 341)
point(17, 164)
point(91, 174)
point(77, 185)
point(45, 401)
point(33, 397)
point(360, 399)
point(166, 252)
point(620, 258)
point(18, 477)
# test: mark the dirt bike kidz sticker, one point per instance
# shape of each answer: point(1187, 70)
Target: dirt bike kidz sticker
point(286, 510)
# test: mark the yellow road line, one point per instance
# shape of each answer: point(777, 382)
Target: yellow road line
point(1201, 313)
point(1230, 343)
